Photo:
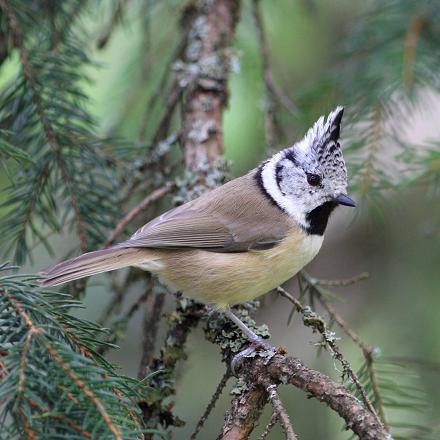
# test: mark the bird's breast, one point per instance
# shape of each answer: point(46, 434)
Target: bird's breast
point(231, 278)
point(296, 250)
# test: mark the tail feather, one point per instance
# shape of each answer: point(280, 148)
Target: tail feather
point(91, 263)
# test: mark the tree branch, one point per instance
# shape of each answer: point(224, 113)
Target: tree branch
point(342, 282)
point(273, 91)
point(153, 309)
point(411, 40)
point(170, 100)
point(367, 349)
point(265, 368)
point(244, 413)
point(311, 319)
point(281, 412)
point(284, 369)
point(130, 216)
point(272, 422)
point(211, 33)
point(157, 412)
point(211, 404)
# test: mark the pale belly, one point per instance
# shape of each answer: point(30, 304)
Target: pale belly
point(231, 278)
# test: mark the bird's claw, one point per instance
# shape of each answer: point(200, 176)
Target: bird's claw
point(247, 352)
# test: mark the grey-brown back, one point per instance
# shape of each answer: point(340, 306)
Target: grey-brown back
point(235, 217)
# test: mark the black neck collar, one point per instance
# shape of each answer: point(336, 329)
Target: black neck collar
point(260, 184)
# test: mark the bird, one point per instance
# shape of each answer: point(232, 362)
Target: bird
point(242, 239)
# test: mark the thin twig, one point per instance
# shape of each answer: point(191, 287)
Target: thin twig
point(282, 413)
point(345, 282)
point(344, 324)
point(147, 201)
point(137, 304)
point(24, 361)
point(152, 315)
point(367, 349)
point(311, 319)
point(272, 87)
point(334, 314)
point(116, 18)
point(175, 90)
point(153, 161)
point(27, 428)
point(178, 52)
point(375, 387)
point(180, 324)
point(409, 54)
point(112, 306)
point(373, 144)
point(273, 92)
point(115, 303)
point(272, 422)
point(211, 404)
point(172, 99)
point(58, 416)
point(269, 110)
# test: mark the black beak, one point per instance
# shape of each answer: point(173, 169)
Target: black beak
point(342, 199)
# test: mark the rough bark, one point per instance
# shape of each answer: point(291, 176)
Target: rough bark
point(207, 62)
point(203, 81)
point(257, 372)
point(245, 411)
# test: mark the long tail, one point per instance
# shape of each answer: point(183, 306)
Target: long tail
point(91, 263)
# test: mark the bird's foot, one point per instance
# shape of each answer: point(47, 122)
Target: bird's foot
point(265, 349)
point(258, 345)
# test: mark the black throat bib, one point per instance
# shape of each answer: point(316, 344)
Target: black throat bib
point(318, 218)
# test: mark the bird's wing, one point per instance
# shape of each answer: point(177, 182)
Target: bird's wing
point(187, 227)
point(182, 230)
point(231, 218)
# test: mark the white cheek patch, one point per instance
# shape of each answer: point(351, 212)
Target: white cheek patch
point(268, 176)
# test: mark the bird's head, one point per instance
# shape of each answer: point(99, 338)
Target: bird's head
point(309, 179)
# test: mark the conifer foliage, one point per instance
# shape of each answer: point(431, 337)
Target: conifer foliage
point(53, 382)
point(43, 118)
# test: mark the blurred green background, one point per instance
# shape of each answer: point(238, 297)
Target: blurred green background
point(396, 309)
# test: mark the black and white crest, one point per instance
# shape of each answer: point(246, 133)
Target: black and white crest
point(309, 174)
point(321, 145)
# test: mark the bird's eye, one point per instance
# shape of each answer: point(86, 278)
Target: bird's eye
point(313, 179)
